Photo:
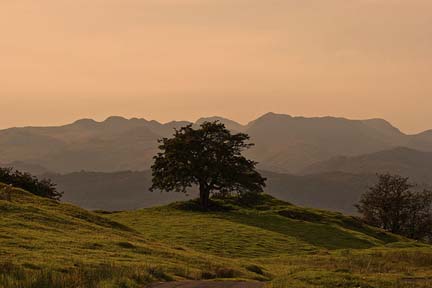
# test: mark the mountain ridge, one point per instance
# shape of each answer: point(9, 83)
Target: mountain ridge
point(400, 160)
point(283, 143)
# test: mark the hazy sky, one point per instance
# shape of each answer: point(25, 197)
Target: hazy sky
point(181, 59)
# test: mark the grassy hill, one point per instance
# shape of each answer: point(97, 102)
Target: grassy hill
point(279, 228)
point(293, 246)
point(54, 245)
point(47, 244)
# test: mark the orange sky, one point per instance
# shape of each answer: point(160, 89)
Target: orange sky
point(182, 59)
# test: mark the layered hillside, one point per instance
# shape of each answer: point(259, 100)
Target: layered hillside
point(288, 144)
point(283, 143)
point(112, 145)
point(403, 161)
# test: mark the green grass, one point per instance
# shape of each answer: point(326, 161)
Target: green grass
point(249, 233)
point(47, 244)
point(41, 239)
point(296, 247)
point(370, 268)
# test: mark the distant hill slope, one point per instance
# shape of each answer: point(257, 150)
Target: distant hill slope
point(407, 162)
point(112, 191)
point(422, 141)
point(288, 144)
point(332, 191)
point(129, 190)
point(33, 169)
point(283, 143)
point(112, 145)
point(231, 125)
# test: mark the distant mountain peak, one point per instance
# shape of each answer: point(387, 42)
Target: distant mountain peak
point(274, 115)
point(378, 120)
point(426, 133)
point(230, 124)
point(115, 119)
point(214, 118)
point(269, 117)
point(382, 125)
point(85, 122)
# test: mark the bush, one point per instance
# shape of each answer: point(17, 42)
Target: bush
point(393, 206)
point(44, 188)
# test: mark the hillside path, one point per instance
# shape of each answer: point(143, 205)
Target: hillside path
point(208, 284)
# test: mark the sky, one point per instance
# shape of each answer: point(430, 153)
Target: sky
point(61, 60)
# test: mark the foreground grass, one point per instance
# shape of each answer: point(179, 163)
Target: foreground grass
point(102, 275)
point(47, 244)
point(42, 241)
point(372, 268)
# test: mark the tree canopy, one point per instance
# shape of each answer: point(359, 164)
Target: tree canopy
point(44, 188)
point(209, 157)
point(392, 204)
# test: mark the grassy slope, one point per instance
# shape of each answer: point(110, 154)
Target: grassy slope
point(296, 247)
point(43, 235)
point(242, 232)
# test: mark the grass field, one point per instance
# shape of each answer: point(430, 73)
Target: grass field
point(249, 233)
point(292, 246)
point(47, 244)
point(42, 240)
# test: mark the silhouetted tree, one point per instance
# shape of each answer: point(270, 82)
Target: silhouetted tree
point(392, 205)
point(44, 188)
point(209, 157)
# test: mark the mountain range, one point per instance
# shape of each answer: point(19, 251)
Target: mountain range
point(283, 143)
point(323, 162)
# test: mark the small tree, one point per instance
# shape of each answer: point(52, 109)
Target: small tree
point(44, 188)
point(209, 157)
point(392, 205)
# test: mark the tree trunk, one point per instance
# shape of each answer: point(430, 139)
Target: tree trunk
point(204, 196)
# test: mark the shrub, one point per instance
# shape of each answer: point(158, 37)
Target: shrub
point(44, 188)
point(393, 206)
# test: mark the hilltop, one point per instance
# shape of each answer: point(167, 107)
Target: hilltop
point(270, 228)
point(293, 246)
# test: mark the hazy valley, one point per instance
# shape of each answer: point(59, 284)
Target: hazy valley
point(315, 162)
